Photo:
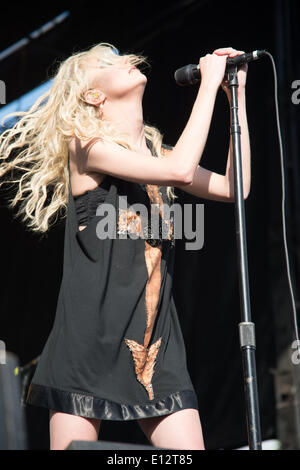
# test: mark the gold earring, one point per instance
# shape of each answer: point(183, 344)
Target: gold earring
point(95, 94)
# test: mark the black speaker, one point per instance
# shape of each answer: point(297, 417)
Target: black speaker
point(12, 418)
point(107, 445)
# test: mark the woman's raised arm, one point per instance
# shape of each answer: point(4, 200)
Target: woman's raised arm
point(180, 166)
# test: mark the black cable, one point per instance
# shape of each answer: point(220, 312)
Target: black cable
point(283, 201)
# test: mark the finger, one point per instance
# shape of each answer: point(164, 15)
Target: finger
point(234, 53)
point(228, 51)
point(224, 50)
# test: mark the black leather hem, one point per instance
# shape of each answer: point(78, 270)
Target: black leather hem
point(91, 407)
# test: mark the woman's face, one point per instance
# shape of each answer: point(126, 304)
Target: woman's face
point(117, 80)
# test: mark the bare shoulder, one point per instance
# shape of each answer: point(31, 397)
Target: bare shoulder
point(79, 149)
point(81, 179)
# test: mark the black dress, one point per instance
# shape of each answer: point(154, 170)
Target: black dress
point(116, 350)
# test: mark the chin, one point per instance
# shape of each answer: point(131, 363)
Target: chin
point(142, 80)
point(143, 77)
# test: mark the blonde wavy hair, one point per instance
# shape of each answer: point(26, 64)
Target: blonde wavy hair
point(39, 140)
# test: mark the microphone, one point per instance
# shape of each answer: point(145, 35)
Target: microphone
point(190, 74)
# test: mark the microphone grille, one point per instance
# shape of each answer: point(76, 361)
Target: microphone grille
point(187, 75)
point(180, 75)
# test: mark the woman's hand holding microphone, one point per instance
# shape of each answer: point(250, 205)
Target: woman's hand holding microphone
point(212, 68)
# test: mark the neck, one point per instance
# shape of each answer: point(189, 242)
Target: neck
point(128, 115)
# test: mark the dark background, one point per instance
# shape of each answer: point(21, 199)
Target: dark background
point(172, 34)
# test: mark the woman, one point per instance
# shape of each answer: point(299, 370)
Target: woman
point(116, 350)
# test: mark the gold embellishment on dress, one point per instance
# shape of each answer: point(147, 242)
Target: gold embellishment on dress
point(129, 221)
point(156, 198)
point(153, 261)
point(144, 363)
point(144, 360)
point(166, 152)
point(144, 356)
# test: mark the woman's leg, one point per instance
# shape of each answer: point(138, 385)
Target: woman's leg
point(65, 428)
point(179, 430)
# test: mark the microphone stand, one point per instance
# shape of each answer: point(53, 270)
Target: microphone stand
point(246, 327)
